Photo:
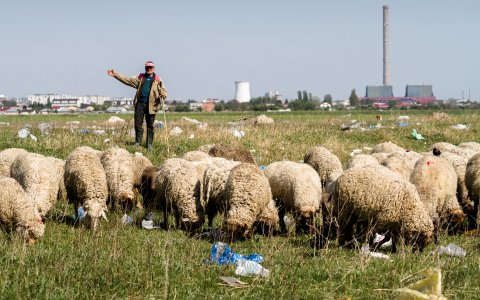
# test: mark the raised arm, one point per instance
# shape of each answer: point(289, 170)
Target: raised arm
point(130, 81)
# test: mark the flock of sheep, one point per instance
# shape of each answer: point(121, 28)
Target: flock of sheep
point(405, 196)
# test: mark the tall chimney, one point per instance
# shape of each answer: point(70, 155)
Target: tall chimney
point(386, 50)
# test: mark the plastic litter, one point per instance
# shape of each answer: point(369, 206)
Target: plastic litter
point(428, 288)
point(127, 220)
point(232, 281)
point(365, 252)
point(45, 128)
point(81, 214)
point(379, 238)
point(148, 224)
point(83, 130)
point(222, 254)
point(157, 124)
point(460, 126)
point(23, 133)
point(191, 136)
point(417, 135)
point(4, 123)
point(34, 138)
point(450, 250)
point(176, 131)
point(402, 124)
point(105, 141)
point(263, 168)
point(403, 117)
point(238, 133)
point(250, 268)
point(99, 132)
point(355, 152)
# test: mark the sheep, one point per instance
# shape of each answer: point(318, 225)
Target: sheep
point(327, 165)
point(268, 219)
point(7, 157)
point(380, 157)
point(118, 166)
point(205, 148)
point(470, 145)
point(231, 153)
point(18, 213)
point(148, 187)
point(60, 165)
point(295, 188)
point(436, 183)
point(361, 160)
point(378, 197)
point(472, 182)
point(38, 178)
point(387, 147)
point(195, 155)
point(444, 147)
point(140, 162)
point(178, 188)
point(402, 163)
point(247, 193)
point(86, 184)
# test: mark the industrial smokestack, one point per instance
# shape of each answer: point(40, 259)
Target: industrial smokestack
point(386, 50)
point(242, 91)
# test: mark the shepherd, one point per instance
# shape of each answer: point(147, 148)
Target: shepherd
point(150, 95)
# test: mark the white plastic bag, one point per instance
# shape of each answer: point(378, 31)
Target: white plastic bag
point(250, 268)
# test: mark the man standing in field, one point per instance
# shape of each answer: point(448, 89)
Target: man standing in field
point(150, 92)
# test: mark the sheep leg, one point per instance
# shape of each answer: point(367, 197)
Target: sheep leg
point(345, 238)
point(436, 224)
point(281, 215)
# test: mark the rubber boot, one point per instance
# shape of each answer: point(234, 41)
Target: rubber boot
point(149, 140)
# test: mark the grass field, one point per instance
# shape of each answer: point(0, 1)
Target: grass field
point(126, 262)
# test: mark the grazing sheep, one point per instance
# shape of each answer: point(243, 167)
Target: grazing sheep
point(195, 155)
point(268, 219)
point(7, 157)
point(205, 148)
point(402, 163)
point(17, 212)
point(40, 179)
point(118, 166)
point(472, 181)
point(178, 190)
point(140, 162)
point(148, 188)
point(361, 160)
point(470, 145)
point(436, 183)
point(248, 193)
point(60, 165)
point(381, 200)
point(295, 188)
point(444, 147)
point(231, 153)
point(380, 157)
point(86, 184)
point(387, 147)
point(327, 165)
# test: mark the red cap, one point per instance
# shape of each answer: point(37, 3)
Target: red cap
point(149, 64)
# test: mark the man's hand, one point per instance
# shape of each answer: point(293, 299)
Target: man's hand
point(111, 72)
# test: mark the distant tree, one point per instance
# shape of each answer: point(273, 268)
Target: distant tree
point(182, 107)
point(309, 96)
point(299, 95)
point(219, 107)
point(305, 96)
point(354, 99)
point(328, 98)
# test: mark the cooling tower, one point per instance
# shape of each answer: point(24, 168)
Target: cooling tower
point(386, 50)
point(242, 91)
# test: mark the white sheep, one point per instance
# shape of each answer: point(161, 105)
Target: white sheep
point(86, 184)
point(296, 188)
point(361, 160)
point(472, 182)
point(402, 163)
point(195, 155)
point(387, 147)
point(7, 157)
point(327, 165)
point(17, 212)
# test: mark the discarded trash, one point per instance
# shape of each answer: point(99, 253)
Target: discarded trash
point(105, 141)
point(450, 250)
point(365, 252)
point(379, 238)
point(402, 124)
point(368, 149)
point(191, 136)
point(23, 133)
point(222, 254)
point(176, 131)
point(45, 128)
point(202, 126)
point(232, 281)
point(81, 214)
point(4, 123)
point(148, 224)
point(417, 135)
point(250, 268)
point(83, 130)
point(356, 151)
point(403, 117)
point(460, 126)
point(263, 168)
point(34, 138)
point(428, 288)
point(238, 134)
point(378, 117)
point(99, 132)
point(127, 220)
point(157, 124)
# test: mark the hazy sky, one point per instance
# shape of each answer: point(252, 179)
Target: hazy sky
point(202, 47)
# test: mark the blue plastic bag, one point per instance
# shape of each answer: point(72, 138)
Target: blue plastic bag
point(222, 254)
point(81, 214)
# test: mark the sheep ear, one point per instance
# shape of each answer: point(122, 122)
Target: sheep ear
point(104, 216)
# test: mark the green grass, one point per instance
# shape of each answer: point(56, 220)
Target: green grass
point(126, 262)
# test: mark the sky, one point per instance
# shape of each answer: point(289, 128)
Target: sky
point(201, 48)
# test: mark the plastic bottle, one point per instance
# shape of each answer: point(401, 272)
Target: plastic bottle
point(250, 268)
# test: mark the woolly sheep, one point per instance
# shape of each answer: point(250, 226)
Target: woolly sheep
point(178, 189)
point(86, 184)
point(7, 157)
point(472, 181)
point(268, 219)
point(361, 160)
point(296, 188)
point(402, 163)
point(436, 183)
point(444, 147)
point(248, 193)
point(327, 165)
point(380, 199)
point(60, 166)
point(205, 148)
point(118, 166)
point(195, 155)
point(387, 147)
point(38, 178)
point(470, 145)
point(231, 153)
point(140, 162)
point(17, 212)
point(380, 157)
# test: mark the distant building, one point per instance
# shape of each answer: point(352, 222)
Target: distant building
point(379, 91)
point(208, 105)
point(59, 103)
point(195, 106)
point(325, 105)
point(274, 95)
point(118, 102)
point(116, 109)
point(341, 103)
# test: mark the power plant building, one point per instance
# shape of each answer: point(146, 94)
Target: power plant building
point(379, 91)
